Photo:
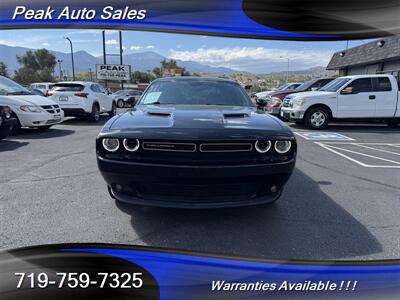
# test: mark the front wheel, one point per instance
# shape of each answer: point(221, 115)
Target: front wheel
point(121, 103)
point(316, 118)
point(113, 111)
point(94, 116)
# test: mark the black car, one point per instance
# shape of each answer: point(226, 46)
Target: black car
point(129, 97)
point(7, 122)
point(196, 143)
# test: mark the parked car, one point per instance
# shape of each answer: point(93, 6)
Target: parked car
point(275, 100)
point(29, 110)
point(44, 87)
point(311, 85)
point(36, 92)
point(197, 143)
point(286, 87)
point(81, 98)
point(129, 97)
point(7, 122)
point(356, 98)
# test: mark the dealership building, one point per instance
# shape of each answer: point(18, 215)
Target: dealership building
point(380, 56)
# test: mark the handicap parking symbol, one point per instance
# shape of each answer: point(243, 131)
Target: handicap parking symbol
point(324, 136)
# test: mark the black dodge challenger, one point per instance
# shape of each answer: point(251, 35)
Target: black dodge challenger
point(195, 142)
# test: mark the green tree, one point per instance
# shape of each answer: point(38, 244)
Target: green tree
point(3, 69)
point(169, 64)
point(37, 66)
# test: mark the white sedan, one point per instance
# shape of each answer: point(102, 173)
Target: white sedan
point(30, 110)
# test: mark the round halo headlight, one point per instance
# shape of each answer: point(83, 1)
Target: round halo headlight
point(262, 146)
point(282, 147)
point(131, 145)
point(110, 144)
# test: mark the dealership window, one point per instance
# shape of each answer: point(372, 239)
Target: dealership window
point(382, 84)
point(362, 85)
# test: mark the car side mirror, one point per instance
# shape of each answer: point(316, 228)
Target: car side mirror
point(261, 102)
point(347, 91)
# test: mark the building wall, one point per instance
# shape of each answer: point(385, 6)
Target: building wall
point(371, 68)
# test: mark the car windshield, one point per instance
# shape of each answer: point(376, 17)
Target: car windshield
point(196, 92)
point(9, 87)
point(282, 87)
point(335, 85)
point(305, 85)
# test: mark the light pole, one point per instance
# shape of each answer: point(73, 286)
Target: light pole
point(72, 58)
point(287, 71)
point(59, 65)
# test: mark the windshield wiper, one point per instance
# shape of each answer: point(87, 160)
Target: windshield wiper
point(19, 93)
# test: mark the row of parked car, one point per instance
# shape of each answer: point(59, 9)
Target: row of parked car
point(350, 98)
point(43, 105)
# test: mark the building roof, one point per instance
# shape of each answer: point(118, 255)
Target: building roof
point(367, 53)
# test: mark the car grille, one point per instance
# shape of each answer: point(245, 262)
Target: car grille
point(226, 147)
point(192, 147)
point(286, 103)
point(52, 109)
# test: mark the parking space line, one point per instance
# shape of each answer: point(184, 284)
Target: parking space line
point(332, 149)
point(322, 136)
point(376, 149)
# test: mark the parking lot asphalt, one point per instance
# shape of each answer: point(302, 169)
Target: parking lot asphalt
point(342, 202)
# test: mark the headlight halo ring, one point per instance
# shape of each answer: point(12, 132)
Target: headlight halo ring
point(286, 150)
point(127, 148)
point(107, 148)
point(262, 151)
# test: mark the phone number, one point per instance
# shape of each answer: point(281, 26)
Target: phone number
point(80, 280)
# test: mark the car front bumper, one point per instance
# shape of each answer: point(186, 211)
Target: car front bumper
point(195, 186)
point(292, 113)
point(31, 119)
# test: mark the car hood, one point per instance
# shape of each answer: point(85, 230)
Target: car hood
point(26, 100)
point(196, 117)
point(311, 94)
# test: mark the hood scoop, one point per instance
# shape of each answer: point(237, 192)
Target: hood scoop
point(236, 115)
point(159, 113)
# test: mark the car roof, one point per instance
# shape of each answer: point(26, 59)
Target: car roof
point(76, 82)
point(365, 76)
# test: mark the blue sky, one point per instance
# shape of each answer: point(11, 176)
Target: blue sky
point(257, 56)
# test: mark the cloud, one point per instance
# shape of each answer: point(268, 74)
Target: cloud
point(254, 59)
point(45, 44)
point(150, 47)
point(123, 47)
point(111, 42)
point(135, 48)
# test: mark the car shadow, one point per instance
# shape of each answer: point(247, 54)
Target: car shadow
point(304, 224)
point(35, 134)
point(82, 121)
point(9, 145)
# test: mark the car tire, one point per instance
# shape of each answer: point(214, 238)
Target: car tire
point(316, 118)
point(17, 127)
point(113, 111)
point(392, 123)
point(94, 116)
point(120, 103)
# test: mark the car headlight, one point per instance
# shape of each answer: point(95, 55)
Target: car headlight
point(282, 147)
point(30, 108)
point(131, 145)
point(110, 144)
point(298, 102)
point(262, 146)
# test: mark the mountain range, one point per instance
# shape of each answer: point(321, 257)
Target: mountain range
point(83, 61)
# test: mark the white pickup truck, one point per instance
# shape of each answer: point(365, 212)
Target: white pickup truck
point(355, 98)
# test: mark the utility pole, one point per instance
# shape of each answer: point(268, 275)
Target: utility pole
point(104, 53)
point(120, 55)
point(72, 57)
point(90, 74)
point(59, 65)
